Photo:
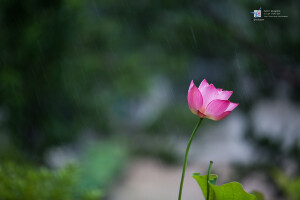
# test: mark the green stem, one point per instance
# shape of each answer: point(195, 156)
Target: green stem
point(186, 156)
point(208, 175)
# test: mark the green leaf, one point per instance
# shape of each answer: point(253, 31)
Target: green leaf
point(202, 181)
point(228, 191)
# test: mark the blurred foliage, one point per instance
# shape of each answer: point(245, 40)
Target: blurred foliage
point(143, 146)
point(289, 185)
point(34, 37)
point(273, 153)
point(100, 163)
point(96, 168)
point(258, 195)
point(67, 65)
point(31, 183)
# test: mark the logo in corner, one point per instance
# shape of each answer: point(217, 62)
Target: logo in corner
point(257, 13)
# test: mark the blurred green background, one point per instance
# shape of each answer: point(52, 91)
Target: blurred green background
point(89, 87)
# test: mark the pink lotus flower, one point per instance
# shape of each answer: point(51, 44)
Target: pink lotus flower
point(209, 102)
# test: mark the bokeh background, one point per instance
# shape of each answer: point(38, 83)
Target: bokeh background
point(93, 97)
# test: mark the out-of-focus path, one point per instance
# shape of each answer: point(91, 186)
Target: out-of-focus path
point(148, 179)
point(152, 180)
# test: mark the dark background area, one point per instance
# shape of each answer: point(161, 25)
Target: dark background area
point(86, 87)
